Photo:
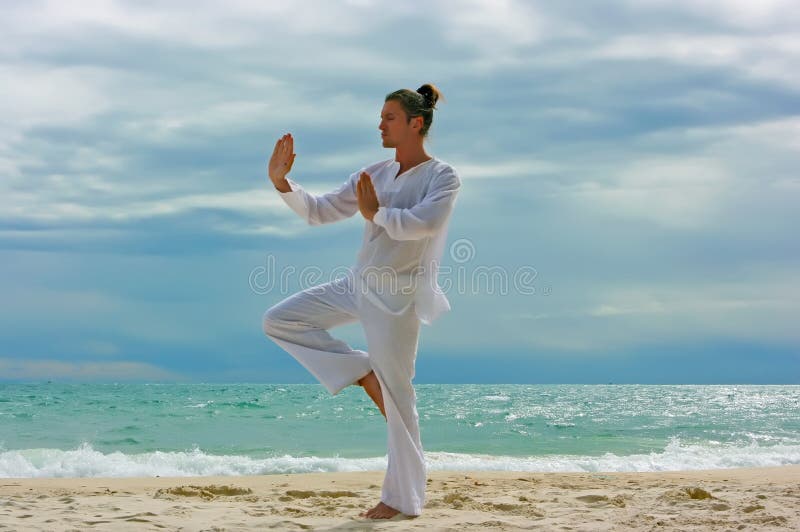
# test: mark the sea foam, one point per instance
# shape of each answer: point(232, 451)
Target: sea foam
point(85, 461)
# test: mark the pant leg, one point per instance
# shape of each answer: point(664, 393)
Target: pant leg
point(392, 342)
point(299, 325)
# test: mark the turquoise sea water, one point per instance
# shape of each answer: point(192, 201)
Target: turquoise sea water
point(79, 430)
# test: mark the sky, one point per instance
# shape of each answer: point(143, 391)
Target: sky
point(628, 210)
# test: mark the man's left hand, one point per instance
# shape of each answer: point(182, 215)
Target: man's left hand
point(367, 198)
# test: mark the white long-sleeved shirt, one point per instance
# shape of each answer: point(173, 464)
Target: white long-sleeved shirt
point(403, 244)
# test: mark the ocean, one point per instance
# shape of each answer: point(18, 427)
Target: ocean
point(122, 430)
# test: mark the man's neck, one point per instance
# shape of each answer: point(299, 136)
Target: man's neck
point(410, 158)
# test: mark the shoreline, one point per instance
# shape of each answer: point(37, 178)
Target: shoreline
point(759, 498)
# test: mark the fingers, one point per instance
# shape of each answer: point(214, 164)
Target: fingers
point(366, 186)
point(361, 186)
point(277, 150)
point(366, 179)
point(283, 154)
point(285, 145)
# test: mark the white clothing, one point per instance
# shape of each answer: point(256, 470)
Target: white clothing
point(405, 240)
point(298, 324)
point(406, 237)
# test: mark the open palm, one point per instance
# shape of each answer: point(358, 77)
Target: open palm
point(282, 158)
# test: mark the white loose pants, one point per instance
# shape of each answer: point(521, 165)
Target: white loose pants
point(299, 324)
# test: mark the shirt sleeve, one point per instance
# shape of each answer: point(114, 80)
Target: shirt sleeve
point(426, 217)
point(330, 207)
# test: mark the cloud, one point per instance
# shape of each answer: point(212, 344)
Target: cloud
point(678, 192)
point(771, 58)
point(755, 309)
point(101, 347)
point(204, 25)
point(491, 28)
point(737, 13)
point(32, 95)
point(513, 168)
point(254, 202)
point(638, 154)
point(19, 369)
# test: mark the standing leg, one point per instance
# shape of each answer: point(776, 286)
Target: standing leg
point(392, 344)
point(299, 325)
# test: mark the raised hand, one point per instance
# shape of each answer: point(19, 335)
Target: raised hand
point(281, 161)
point(367, 198)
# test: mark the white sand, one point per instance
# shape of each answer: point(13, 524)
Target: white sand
point(740, 499)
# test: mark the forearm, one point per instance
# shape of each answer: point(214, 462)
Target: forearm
point(322, 209)
point(404, 224)
point(424, 219)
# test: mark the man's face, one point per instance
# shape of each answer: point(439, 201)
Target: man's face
point(395, 129)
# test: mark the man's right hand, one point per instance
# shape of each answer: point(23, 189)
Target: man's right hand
point(280, 164)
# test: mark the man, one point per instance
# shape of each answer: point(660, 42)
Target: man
point(406, 202)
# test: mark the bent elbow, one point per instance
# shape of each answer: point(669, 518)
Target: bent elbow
point(313, 219)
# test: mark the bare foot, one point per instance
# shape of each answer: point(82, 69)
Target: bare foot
point(373, 389)
point(381, 511)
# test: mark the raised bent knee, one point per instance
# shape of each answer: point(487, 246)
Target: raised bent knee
point(270, 323)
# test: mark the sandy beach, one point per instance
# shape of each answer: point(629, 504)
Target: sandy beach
point(727, 499)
